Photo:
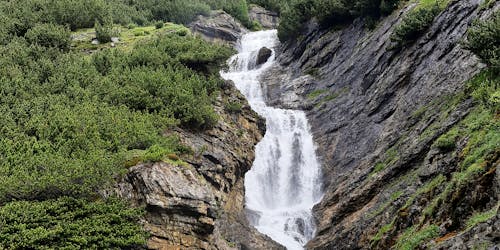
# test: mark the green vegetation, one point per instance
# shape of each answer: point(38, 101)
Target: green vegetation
point(329, 13)
point(390, 157)
point(427, 188)
point(69, 223)
point(315, 94)
point(383, 230)
point(412, 238)
point(49, 35)
point(482, 217)
point(386, 204)
point(483, 38)
point(447, 141)
point(233, 107)
point(72, 123)
point(417, 21)
point(104, 32)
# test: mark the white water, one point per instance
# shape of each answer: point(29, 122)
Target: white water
point(285, 180)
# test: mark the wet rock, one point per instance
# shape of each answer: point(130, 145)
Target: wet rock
point(219, 27)
point(267, 19)
point(263, 56)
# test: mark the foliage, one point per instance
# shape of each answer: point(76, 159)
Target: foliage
point(414, 24)
point(412, 238)
point(447, 141)
point(329, 13)
point(159, 24)
point(483, 38)
point(233, 107)
point(69, 120)
point(49, 35)
point(104, 32)
point(482, 217)
point(69, 223)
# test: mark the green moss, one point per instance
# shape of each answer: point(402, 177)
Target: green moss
point(383, 230)
point(315, 94)
point(481, 217)
point(411, 238)
point(427, 188)
point(386, 204)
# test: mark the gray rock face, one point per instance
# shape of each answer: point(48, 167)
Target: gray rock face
point(263, 56)
point(370, 105)
point(199, 204)
point(266, 18)
point(219, 27)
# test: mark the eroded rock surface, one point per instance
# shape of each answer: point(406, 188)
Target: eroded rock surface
point(267, 19)
point(219, 27)
point(375, 112)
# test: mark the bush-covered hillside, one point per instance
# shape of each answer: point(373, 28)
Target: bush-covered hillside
point(72, 123)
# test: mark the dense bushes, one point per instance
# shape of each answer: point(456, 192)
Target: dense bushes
point(49, 35)
point(68, 223)
point(70, 122)
point(21, 15)
point(104, 32)
point(414, 24)
point(328, 12)
point(483, 38)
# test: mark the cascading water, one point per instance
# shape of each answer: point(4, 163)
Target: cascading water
point(285, 180)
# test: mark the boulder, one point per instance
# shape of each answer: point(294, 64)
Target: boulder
point(263, 56)
point(219, 27)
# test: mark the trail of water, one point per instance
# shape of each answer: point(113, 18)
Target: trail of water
point(285, 180)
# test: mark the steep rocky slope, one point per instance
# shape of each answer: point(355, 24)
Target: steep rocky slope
point(376, 114)
point(199, 204)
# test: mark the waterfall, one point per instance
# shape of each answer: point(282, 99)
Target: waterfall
point(284, 182)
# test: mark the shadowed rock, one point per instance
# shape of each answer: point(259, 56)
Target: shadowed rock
point(263, 56)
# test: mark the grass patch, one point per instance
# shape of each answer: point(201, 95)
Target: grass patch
point(386, 204)
point(411, 238)
point(481, 217)
point(427, 188)
point(381, 232)
point(313, 95)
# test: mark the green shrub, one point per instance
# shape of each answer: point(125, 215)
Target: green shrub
point(104, 32)
point(483, 38)
point(49, 35)
point(485, 87)
point(414, 24)
point(155, 153)
point(68, 223)
point(138, 33)
point(234, 107)
point(448, 140)
point(159, 25)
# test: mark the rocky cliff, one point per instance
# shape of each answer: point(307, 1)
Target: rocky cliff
point(198, 204)
point(378, 116)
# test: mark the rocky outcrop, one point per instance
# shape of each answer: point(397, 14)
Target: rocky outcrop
point(263, 55)
point(267, 19)
point(375, 113)
point(199, 203)
point(219, 27)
